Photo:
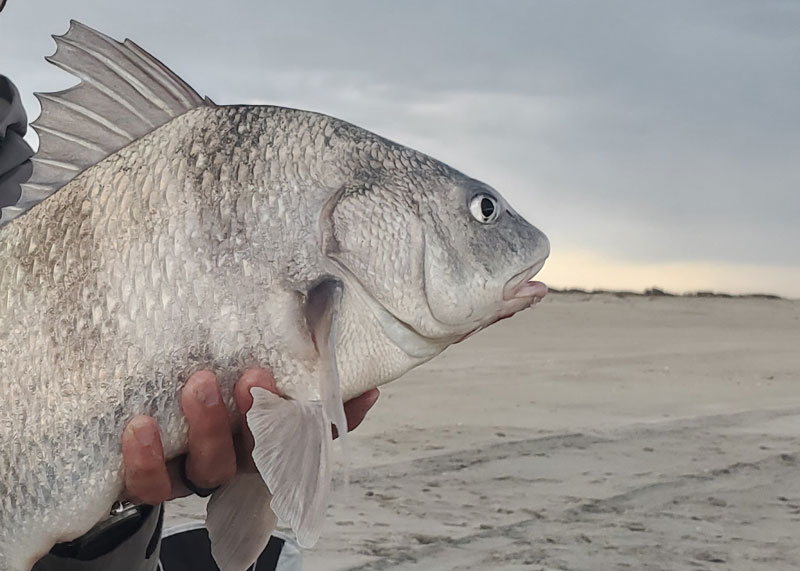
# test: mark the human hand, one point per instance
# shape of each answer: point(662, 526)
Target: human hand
point(217, 451)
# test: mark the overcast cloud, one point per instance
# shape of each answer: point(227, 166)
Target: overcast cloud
point(647, 132)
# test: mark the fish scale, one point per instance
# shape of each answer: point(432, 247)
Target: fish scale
point(226, 237)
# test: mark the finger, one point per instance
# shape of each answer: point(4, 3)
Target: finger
point(249, 379)
point(356, 409)
point(244, 401)
point(146, 477)
point(211, 460)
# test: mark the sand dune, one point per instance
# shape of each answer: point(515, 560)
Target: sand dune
point(596, 432)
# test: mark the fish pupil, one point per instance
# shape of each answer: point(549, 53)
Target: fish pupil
point(487, 207)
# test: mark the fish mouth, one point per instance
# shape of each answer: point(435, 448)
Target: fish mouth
point(523, 287)
point(520, 292)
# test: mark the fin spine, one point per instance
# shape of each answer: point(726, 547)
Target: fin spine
point(72, 139)
point(121, 72)
point(171, 82)
point(57, 164)
point(81, 110)
point(102, 89)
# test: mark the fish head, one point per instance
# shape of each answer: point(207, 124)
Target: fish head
point(480, 257)
point(442, 254)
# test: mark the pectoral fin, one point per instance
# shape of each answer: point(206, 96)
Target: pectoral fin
point(293, 439)
point(322, 313)
point(239, 522)
point(293, 454)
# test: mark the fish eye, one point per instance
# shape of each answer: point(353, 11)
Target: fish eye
point(484, 208)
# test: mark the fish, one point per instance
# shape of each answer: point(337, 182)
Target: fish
point(161, 234)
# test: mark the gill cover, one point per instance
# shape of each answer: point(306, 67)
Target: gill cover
point(377, 237)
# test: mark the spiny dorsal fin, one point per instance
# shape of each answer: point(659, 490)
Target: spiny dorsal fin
point(124, 94)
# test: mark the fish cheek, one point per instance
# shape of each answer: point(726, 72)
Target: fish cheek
point(377, 238)
point(451, 276)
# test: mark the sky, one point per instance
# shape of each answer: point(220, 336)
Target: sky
point(656, 143)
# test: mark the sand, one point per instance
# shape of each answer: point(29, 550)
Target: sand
point(596, 432)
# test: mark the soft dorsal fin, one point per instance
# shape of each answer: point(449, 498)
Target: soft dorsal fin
point(124, 94)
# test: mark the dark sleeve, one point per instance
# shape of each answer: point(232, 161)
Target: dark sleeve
point(129, 541)
point(15, 154)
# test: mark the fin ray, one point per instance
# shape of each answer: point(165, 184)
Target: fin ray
point(89, 145)
point(121, 73)
point(64, 99)
point(322, 311)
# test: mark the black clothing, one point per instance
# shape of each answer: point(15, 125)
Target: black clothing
point(15, 154)
point(128, 541)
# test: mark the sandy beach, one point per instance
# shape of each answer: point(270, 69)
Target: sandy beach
point(596, 432)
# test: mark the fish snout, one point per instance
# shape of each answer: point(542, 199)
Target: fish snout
point(523, 287)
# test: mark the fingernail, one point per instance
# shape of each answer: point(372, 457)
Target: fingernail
point(207, 394)
point(145, 433)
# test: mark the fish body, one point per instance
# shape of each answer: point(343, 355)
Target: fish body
point(228, 237)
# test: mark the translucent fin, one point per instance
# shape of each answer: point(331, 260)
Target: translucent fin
point(293, 439)
point(239, 522)
point(322, 310)
point(124, 94)
point(293, 454)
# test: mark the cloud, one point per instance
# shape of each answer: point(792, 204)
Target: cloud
point(651, 132)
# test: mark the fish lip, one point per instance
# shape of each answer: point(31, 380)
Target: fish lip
point(521, 287)
point(518, 294)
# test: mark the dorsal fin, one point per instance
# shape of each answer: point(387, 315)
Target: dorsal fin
point(124, 94)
